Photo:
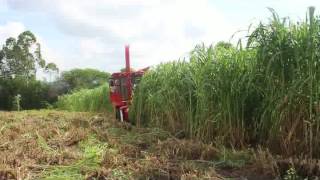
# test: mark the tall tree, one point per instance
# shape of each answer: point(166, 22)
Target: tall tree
point(22, 57)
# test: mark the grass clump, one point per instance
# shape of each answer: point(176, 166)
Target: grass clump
point(91, 100)
point(233, 159)
point(92, 154)
point(265, 93)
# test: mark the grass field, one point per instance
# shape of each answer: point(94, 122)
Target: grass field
point(228, 112)
point(247, 111)
point(92, 100)
point(264, 92)
point(67, 145)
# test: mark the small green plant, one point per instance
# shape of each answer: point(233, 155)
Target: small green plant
point(16, 102)
point(291, 174)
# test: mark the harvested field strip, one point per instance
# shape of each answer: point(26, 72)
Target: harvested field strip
point(64, 145)
point(35, 140)
point(91, 151)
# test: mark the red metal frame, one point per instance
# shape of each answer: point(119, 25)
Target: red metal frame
point(120, 103)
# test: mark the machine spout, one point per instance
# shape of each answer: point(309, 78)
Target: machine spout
point(127, 54)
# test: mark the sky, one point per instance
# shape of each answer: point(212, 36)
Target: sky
point(93, 33)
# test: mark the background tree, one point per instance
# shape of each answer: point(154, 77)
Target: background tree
point(19, 61)
point(84, 78)
point(22, 57)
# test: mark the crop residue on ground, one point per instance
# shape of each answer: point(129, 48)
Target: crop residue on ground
point(65, 145)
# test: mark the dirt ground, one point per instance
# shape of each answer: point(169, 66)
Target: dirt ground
point(50, 144)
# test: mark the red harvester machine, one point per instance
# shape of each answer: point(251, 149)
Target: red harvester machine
point(121, 85)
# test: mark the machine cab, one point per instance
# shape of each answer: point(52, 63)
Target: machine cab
point(121, 87)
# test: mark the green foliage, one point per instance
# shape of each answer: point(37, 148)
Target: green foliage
point(84, 78)
point(19, 61)
point(51, 67)
point(96, 100)
point(34, 93)
point(266, 93)
point(21, 56)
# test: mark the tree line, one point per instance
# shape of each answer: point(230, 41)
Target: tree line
point(20, 60)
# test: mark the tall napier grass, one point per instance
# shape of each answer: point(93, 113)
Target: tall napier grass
point(92, 100)
point(264, 94)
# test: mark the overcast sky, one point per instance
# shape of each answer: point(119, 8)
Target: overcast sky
point(92, 33)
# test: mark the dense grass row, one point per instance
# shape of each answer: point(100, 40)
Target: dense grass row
point(92, 100)
point(266, 93)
